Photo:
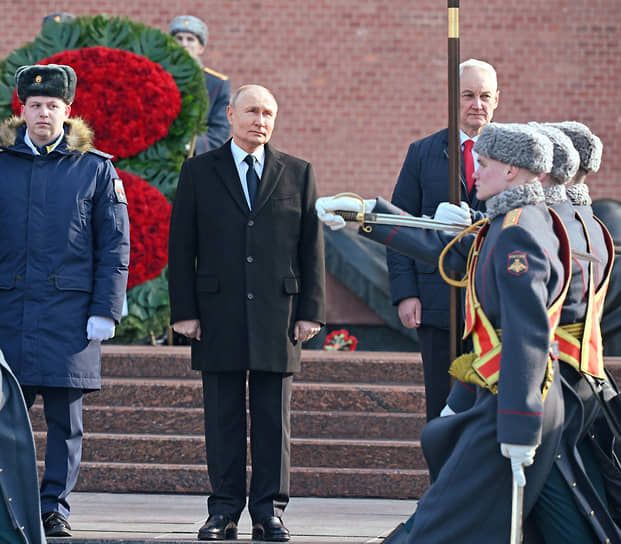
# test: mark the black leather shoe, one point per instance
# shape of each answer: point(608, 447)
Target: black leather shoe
point(55, 524)
point(218, 527)
point(271, 529)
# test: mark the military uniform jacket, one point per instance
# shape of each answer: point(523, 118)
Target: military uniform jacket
point(422, 185)
point(470, 498)
point(247, 275)
point(64, 256)
point(218, 128)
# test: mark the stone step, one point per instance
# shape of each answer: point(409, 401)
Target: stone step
point(304, 423)
point(305, 482)
point(188, 393)
point(188, 450)
point(317, 366)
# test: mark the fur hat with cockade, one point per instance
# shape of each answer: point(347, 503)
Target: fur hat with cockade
point(57, 80)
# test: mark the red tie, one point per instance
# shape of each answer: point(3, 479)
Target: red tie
point(469, 163)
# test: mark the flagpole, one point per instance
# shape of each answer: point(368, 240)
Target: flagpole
point(454, 152)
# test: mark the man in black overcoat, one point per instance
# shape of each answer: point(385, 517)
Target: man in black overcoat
point(246, 282)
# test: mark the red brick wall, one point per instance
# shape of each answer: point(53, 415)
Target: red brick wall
point(357, 80)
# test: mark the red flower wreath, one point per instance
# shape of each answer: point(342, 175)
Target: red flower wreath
point(149, 217)
point(128, 100)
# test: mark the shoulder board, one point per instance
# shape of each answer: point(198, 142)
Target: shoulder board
point(214, 73)
point(100, 153)
point(511, 218)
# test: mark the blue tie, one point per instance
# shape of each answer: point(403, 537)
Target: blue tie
point(252, 180)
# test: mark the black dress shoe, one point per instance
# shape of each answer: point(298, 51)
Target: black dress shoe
point(218, 527)
point(55, 524)
point(271, 529)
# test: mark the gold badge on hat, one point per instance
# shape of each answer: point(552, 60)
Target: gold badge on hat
point(57, 19)
point(38, 79)
point(186, 22)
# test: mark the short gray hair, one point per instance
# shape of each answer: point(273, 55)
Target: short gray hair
point(481, 65)
point(241, 90)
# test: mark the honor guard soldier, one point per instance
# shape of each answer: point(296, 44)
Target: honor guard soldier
point(517, 275)
point(573, 504)
point(192, 34)
point(63, 267)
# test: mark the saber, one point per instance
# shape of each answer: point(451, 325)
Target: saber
point(400, 221)
point(425, 223)
point(517, 506)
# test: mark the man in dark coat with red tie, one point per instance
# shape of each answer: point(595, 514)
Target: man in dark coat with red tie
point(246, 281)
point(416, 287)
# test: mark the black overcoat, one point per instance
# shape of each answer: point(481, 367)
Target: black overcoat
point(247, 275)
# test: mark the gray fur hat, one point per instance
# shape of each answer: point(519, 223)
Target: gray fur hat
point(516, 144)
point(191, 24)
point(566, 159)
point(57, 80)
point(58, 17)
point(586, 143)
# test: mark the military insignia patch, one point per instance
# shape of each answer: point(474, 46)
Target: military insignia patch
point(517, 263)
point(119, 191)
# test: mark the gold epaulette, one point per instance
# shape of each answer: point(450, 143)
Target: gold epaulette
point(214, 73)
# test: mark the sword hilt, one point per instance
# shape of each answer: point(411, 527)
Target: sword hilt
point(350, 216)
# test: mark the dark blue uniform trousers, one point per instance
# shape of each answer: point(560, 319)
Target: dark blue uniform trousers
point(63, 414)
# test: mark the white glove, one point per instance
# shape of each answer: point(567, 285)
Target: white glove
point(521, 456)
point(99, 328)
point(451, 213)
point(327, 204)
point(447, 411)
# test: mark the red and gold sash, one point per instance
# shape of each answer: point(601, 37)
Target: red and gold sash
point(580, 344)
point(485, 362)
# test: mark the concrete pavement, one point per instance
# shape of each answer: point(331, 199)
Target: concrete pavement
point(132, 518)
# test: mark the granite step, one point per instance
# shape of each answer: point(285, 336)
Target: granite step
point(317, 365)
point(304, 423)
point(190, 449)
point(305, 481)
point(188, 393)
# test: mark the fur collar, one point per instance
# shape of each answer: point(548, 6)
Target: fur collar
point(579, 195)
point(79, 137)
point(522, 195)
point(555, 194)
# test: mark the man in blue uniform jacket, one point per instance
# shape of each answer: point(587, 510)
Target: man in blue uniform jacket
point(63, 266)
point(192, 34)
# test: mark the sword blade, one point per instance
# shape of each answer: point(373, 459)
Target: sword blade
point(400, 220)
point(517, 505)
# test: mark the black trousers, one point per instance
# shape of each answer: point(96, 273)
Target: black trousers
point(269, 402)
point(435, 351)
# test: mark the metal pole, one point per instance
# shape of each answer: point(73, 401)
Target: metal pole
point(454, 151)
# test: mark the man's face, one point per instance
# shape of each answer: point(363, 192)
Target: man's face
point(44, 116)
point(252, 118)
point(191, 44)
point(490, 178)
point(478, 100)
